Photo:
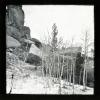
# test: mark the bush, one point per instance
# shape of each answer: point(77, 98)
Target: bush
point(34, 59)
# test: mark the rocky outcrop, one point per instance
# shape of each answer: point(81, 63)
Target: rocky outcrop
point(11, 42)
point(18, 33)
point(15, 25)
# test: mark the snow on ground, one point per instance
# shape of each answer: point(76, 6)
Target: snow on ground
point(28, 80)
point(34, 84)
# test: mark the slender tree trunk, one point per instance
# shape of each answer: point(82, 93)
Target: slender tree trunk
point(70, 73)
point(60, 78)
point(26, 52)
point(84, 72)
point(80, 77)
point(84, 76)
point(67, 73)
point(11, 83)
point(42, 63)
point(58, 68)
point(73, 76)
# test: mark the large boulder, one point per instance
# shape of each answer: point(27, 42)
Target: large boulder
point(11, 42)
point(35, 50)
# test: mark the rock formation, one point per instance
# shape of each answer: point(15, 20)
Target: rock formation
point(11, 42)
point(15, 29)
point(15, 25)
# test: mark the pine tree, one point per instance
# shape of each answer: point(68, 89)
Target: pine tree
point(54, 37)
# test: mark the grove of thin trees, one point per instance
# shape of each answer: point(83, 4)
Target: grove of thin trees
point(59, 66)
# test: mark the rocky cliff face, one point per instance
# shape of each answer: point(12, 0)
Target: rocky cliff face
point(17, 32)
point(15, 25)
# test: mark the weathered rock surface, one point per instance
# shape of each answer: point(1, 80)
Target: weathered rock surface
point(15, 29)
point(15, 25)
point(12, 42)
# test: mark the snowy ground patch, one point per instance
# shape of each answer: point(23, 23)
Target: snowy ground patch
point(43, 85)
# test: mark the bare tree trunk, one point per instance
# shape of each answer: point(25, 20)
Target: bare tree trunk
point(58, 68)
point(80, 76)
point(67, 73)
point(86, 51)
point(70, 74)
point(59, 77)
point(11, 83)
point(84, 76)
point(86, 79)
point(26, 53)
point(73, 76)
point(50, 67)
point(42, 63)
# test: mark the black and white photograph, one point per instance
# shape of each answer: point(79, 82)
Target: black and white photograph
point(50, 49)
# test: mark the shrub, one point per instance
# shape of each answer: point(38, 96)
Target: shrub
point(33, 59)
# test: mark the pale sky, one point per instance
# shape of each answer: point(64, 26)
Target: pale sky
point(71, 20)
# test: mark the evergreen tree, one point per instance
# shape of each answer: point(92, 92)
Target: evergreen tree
point(79, 62)
point(54, 37)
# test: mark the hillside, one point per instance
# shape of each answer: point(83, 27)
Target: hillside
point(30, 80)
